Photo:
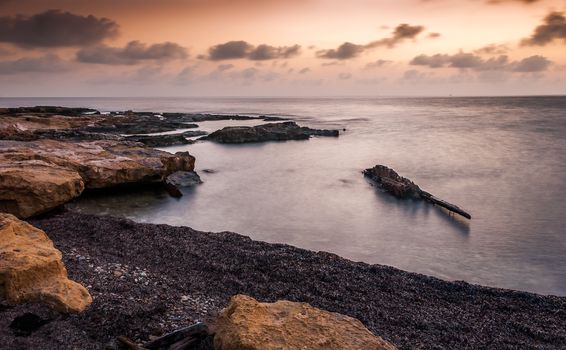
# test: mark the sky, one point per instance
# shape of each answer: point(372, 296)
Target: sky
point(282, 47)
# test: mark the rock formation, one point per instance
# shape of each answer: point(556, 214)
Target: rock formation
point(31, 269)
point(248, 324)
point(40, 175)
point(266, 132)
point(402, 187)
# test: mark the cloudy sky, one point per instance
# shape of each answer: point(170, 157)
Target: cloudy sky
point(282, 47)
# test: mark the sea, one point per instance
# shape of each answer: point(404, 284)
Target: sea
point(502, 159)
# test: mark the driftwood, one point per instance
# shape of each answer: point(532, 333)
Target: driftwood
point(129, 344)
point(180, 339)
point(402, 187)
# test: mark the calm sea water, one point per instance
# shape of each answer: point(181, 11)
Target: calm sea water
point(502, 159)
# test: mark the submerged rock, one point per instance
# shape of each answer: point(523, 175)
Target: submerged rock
point(40, 175)
point(248, 324)
point(31, 269)
point(267, 132)
point(167, 140)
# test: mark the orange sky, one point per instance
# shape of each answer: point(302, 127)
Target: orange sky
point(437, 52)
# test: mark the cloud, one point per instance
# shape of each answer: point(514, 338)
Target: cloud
point(401, 33)
point(54, 28)
point(344, 76)
point(493, 49)
point(471, 61)
point(134, 52)
point(349, 50)
point(528, 2)
point(377, 64)
point(45, 64)
point(345, 51)
point(224, 67)
point(532, 64)
point(267, 52)
point(244, 50)
point(554, 27)
point(304, 70)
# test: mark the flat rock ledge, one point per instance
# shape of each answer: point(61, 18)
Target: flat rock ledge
point(251, 325)
point(267, 132)
point(31, 269)
point(37, 176)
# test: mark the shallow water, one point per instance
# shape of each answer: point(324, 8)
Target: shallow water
point(501, 159)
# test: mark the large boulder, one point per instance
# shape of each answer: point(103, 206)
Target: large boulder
point(31, 269)
point(40, 175)
point(267, 132)
point(251, 325)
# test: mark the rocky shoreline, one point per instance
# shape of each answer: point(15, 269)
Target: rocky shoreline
point(147, 280)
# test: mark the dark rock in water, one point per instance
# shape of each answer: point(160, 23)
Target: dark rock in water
point(74, 134)
point(210, 171)
point(193, 133)
point(272, 119)
point(67, 111)
point(160, 140)
point(138, 125)
point(195, 118)
point(173, 190)
point(26, 324)
point(402, 187)
point(392, 182)
point(183, 179)
point(267, 132)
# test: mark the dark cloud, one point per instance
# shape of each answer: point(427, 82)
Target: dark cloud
point(528, 2)
point(554, 27)
point(349, 50)
point(45, 64)
point(434, 35)
point(304, 70)
point(532, 64)
point(55, 28)
point(474, 62)
point(134, 52)
point(343, 52)
point(243, 50)
point(401, 33)
point(267, 52)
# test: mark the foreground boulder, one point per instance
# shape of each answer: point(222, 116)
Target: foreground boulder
point(38, 176)
point(401, 187)
point(248, 324)
point(267, 132)
point(31, 269)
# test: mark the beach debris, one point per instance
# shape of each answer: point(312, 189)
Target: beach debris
point(249, 324)
point(180, 339)
point(32, 270)
point(401, 187)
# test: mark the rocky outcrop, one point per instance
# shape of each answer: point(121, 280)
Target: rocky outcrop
point(167, 140)
point(31, 269)
point(267, 132)
point(40, 175)
point(248, 324)
point(401, 187)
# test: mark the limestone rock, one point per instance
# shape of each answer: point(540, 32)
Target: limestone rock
point(31, 269)
point(392, 182)
point(249, 325)
point(37, 176)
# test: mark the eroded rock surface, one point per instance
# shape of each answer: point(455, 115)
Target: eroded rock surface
point(40, 175)
point(248, 324)
point(31, 269)
point(267, 132)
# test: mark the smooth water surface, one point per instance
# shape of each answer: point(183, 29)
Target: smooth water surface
point(501, 159)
